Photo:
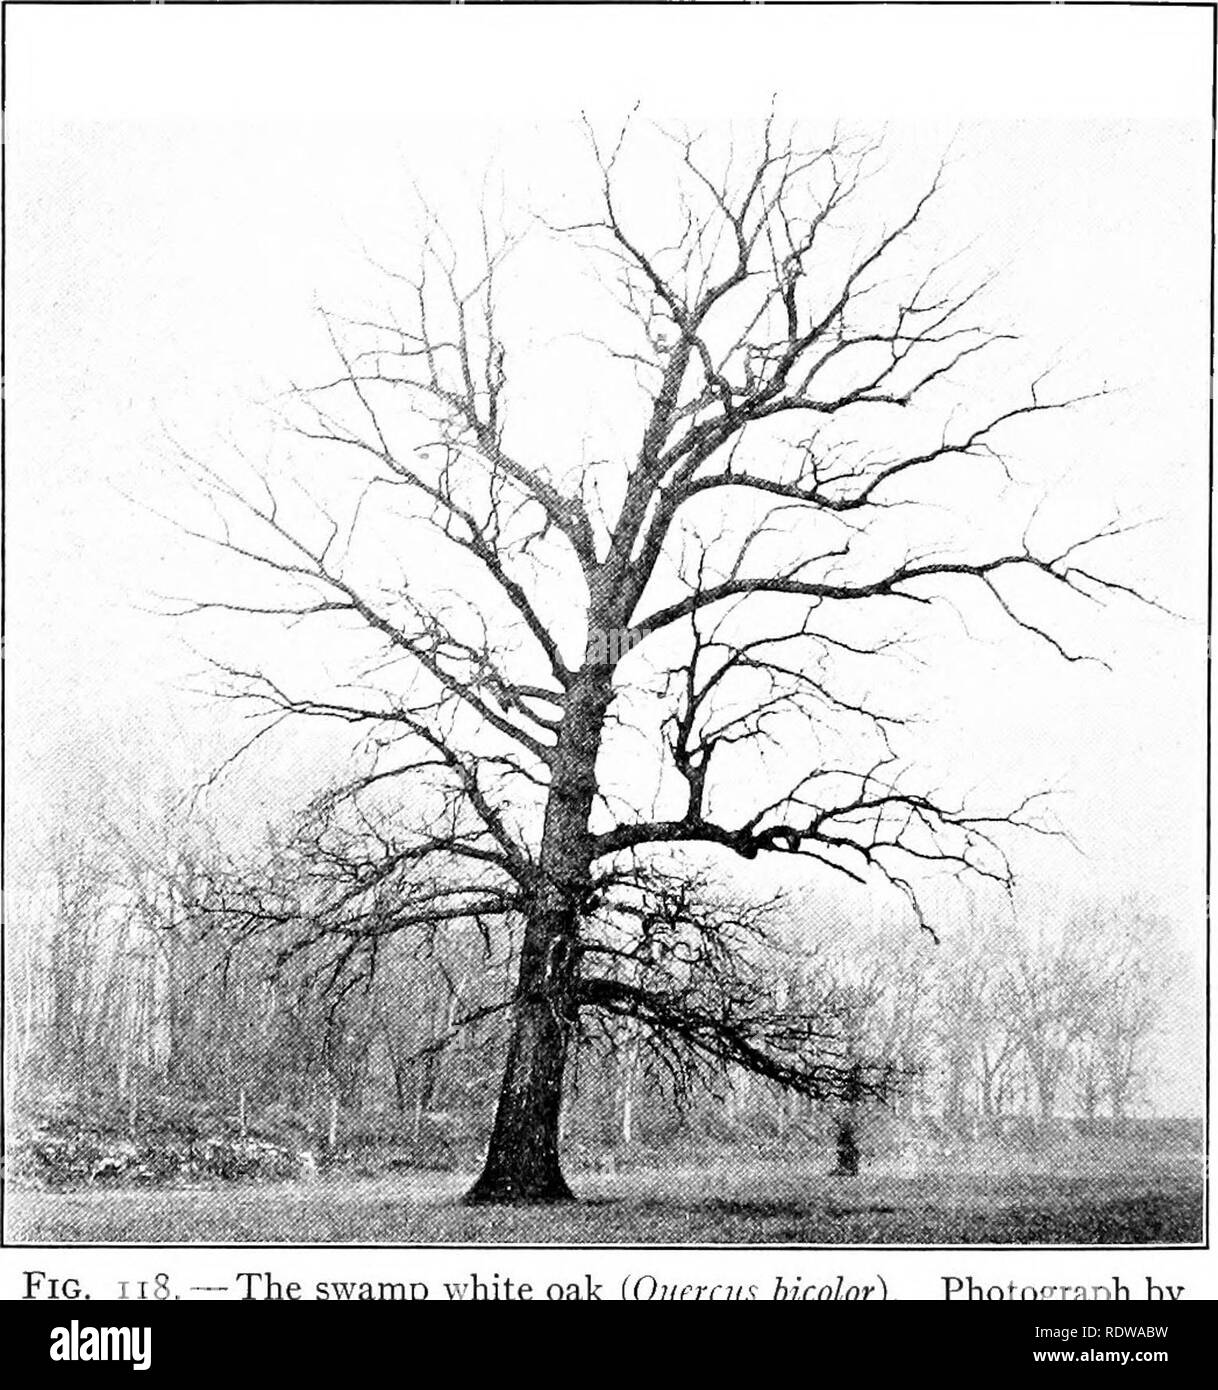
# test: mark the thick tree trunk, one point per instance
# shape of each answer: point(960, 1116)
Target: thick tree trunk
point(522, 1162)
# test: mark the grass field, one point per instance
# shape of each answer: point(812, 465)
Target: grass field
point(717, 1204)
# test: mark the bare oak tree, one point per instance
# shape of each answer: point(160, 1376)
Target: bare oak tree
point(698, 616)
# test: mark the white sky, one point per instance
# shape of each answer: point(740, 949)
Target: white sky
point(185, 184)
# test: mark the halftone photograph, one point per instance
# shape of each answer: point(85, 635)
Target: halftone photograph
point(606, 625)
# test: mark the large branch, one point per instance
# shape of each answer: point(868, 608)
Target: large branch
point(785, 1048)
point(854, 489)
point(429, 646)
point(460, 370)
point(893, 584)
point(464, 767)
point(880, 827)
point(475, 537)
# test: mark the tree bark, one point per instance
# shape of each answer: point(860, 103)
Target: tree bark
point(522, 1162)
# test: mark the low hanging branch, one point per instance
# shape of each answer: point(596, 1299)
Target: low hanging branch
point(788, 1049)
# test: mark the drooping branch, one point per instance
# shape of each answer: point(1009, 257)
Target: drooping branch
point(784, 1049)
point(677, 963)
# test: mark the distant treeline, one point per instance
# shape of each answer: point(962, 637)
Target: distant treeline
point(125, 1004)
